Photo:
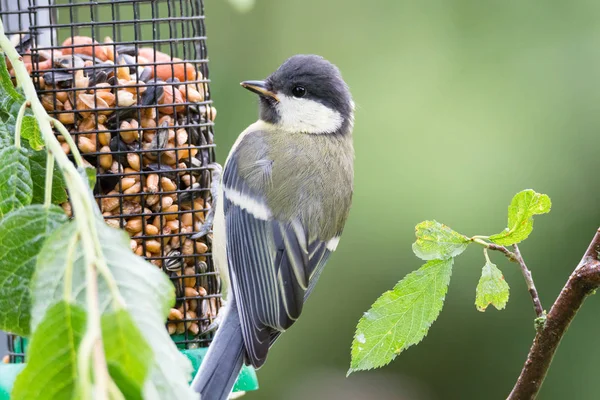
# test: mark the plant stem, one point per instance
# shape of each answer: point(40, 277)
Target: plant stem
point(19, 124)
point(537, 304)
point(584, 280)
point(487, 257)
point(69, 139)
point(48, 182)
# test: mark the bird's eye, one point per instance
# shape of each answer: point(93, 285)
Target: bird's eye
point(298, 91)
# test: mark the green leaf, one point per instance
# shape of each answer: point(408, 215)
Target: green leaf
point(37, 161)
point(491, 289)
point(9, 96)
point(127, 353)
point(401, 317)
point(6, 138)
point(16, 187)
point(52, 355)
point(436, 241)
point(522, 208)
point(30, 131)
point(22, 234)
point(147, 292)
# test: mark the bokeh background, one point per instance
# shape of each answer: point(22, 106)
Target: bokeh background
point(460, 104)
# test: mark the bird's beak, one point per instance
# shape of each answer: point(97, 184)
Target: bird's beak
point(260, 88)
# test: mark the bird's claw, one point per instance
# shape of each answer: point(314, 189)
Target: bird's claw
point(217, 170)
point(218, 319)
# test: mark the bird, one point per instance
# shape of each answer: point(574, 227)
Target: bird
point(284, 197)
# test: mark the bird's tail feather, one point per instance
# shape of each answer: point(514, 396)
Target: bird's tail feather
point(224, 359)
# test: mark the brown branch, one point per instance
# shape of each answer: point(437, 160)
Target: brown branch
point(517, 258)
point(584, 280)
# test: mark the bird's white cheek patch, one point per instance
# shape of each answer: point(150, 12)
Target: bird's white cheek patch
point(305, 115)
point(253, 206)
point(332, 244)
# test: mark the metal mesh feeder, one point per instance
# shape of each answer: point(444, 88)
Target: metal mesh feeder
point(129, 79)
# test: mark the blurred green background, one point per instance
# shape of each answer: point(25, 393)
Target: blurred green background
point(460, 104)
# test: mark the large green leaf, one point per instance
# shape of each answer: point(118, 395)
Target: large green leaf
point(16, 187)
point(22, 234)
point(522, 208)
point(52, 355)
point(491, 289)
point(37, 161)
point(127, 354)
point(146, 290)
point(401, 317)
point(436, 241)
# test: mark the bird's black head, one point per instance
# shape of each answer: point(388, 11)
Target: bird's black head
point(306, 94)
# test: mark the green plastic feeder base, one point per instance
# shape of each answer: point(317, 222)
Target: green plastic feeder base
point(246, 382)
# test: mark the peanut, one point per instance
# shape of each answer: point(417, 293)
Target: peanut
point(188, 247)
point(173, 225)
point(152, 199)
point(104, 138)
point(167, 184)
point(194, 328)
point(134, 225)
point(133, 189)
point(166, 202)
point(134, 161)
point(113, 223)
point(190, 280)
point(152, 184)
point(67, 118)
point(201, 248)
point(187, 219)
point(127, 182)
point(105, 160)
point(110, 203)
point(175, 314)
point(153, 246)
point(125, 98)
point(172, 209)
point(151, 230)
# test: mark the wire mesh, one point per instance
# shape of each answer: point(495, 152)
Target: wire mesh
point(129, 79)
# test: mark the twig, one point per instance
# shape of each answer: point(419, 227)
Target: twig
point(584, 280)
point(537, 305)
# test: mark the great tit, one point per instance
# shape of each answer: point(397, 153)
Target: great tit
point(285, 195)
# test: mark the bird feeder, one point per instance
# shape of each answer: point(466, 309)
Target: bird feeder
point(129, 79)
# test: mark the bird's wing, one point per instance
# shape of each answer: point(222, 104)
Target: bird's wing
point(272, 265)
